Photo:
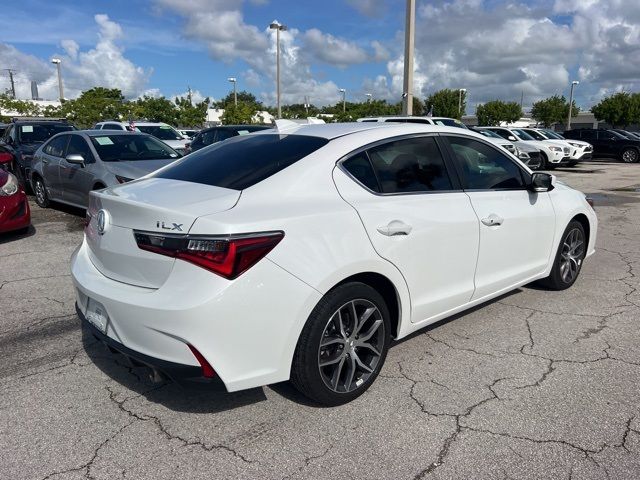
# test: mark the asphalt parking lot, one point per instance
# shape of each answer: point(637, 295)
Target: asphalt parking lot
point(534, 385)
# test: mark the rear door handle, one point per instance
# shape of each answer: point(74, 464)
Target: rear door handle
point(493, 220)
point(395, 227)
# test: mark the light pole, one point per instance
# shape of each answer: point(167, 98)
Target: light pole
point(235, 95)
point(278, 28)
point(460, 92)
point(344, 104)
point(57, 62)
point(573, 84)
point(409, 30)
point(369, 96)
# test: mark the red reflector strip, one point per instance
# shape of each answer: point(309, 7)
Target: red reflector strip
point(207, 369)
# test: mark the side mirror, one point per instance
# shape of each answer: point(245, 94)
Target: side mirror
point(76, 159)
point(541, 182)
point(511, 138)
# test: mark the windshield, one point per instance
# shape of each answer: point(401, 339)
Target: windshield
point(40, 133)
point(450, 122)
point(552, 134)
point(521, 134)
point(535, 135)
point(163, 132)
point(489, 133)
point(242, 161)
point(127, 147)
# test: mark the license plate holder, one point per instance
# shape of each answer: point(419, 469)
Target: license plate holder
point(97, 315)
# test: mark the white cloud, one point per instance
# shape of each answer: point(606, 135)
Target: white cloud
point(332, 50)
point(104, 65)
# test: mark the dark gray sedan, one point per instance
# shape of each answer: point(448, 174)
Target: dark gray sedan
point(71, 164)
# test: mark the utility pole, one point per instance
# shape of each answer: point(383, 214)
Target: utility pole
point(57, 62)
point(189, 95)
point(573, 84)
point(278, 27)
point(521, 99)
point(409, 37)
point(344, 102)
point(13, 86)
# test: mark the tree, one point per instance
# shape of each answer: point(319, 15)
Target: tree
point(244, 97)
point(190, 115)
point(553, 110)
point(494, 112)
point(444, 103)
point(93, 106)
point(155, 109)
point(618, 110)
point(241, 114)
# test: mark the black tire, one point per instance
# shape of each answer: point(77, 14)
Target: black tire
point(630, 155)
point(545, 164)
point(572, 163)
point(557, 280)
point(40, 192)
point(98, 186)
point(309, 377)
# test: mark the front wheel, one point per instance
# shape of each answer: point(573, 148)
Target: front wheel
point(343, 345)
point(569, 257)
point(40, 191)
point(630, 155)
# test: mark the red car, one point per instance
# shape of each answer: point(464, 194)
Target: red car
point(14, 207)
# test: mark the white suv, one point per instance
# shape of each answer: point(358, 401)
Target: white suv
point(161, 131)
point(580, 150)
point(553, 154)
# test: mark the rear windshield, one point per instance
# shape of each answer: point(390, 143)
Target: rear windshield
point(243, 161)
point(126, 147)
point(163, 132)
point(41, 133)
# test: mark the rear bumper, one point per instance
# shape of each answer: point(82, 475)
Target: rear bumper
point(15, 213)
point(178, 372)
point(246, 329)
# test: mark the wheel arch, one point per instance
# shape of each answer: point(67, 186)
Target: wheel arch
point(98, 185)
point(385, 287)
point(584, 221)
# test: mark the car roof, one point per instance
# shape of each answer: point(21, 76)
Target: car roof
point(100, 133)
point(335, 130)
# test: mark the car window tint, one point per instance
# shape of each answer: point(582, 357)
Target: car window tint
point(587, 134)
point(410, 165)
point(57, 146)
point(208, 137)
point(224, 134)
point(242, 161)
point(360, 167)
point(78, 146)
point(484, 167)
point(130, 147)
point(40, 133)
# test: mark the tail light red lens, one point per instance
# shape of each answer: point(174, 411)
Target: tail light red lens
point(228, 257)
point(6, 157)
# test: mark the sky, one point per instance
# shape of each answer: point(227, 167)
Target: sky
point(495, 49)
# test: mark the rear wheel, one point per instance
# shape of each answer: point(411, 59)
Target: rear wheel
point(630, 155)
point(40, 191)
point(343, 345)
point(569, 258)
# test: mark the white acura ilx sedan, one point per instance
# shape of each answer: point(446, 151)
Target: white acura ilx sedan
point(301, 252)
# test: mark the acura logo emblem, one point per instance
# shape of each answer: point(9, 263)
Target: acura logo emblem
point(102, 221)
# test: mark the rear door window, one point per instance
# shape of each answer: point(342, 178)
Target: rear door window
point(242, 161)
point(410, 165)
point(57, 146)
point(360, 168)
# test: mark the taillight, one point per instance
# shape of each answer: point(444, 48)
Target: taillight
point(6, 157)
point(227, 256)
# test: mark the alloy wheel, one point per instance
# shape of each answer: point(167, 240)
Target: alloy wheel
point(630, 155)
point(40, 193)
point(351, 346)
point(571, 255)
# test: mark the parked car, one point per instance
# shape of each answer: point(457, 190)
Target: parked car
point(527, 154)
point(6, 159)
point(299, 254)
point(607, 143)
point(188, 132)
point(70, 165)
point(212, 135)
point(574, 155)
point(3, 128)
point(552, 155)
point(443, 121)
point(161, 131)
point(582, 150)
point(15, 214)
point(23, 137)
point(626, 133)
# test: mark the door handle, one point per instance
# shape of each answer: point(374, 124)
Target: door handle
point(493, 220)
point(45, 161)
point(395, 227)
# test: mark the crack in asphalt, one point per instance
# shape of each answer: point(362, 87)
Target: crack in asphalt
point(156, 421)
point(7, 282)
point(630, 274)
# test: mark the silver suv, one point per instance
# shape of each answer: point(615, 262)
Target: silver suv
point(70, 165)
point(161, 131)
